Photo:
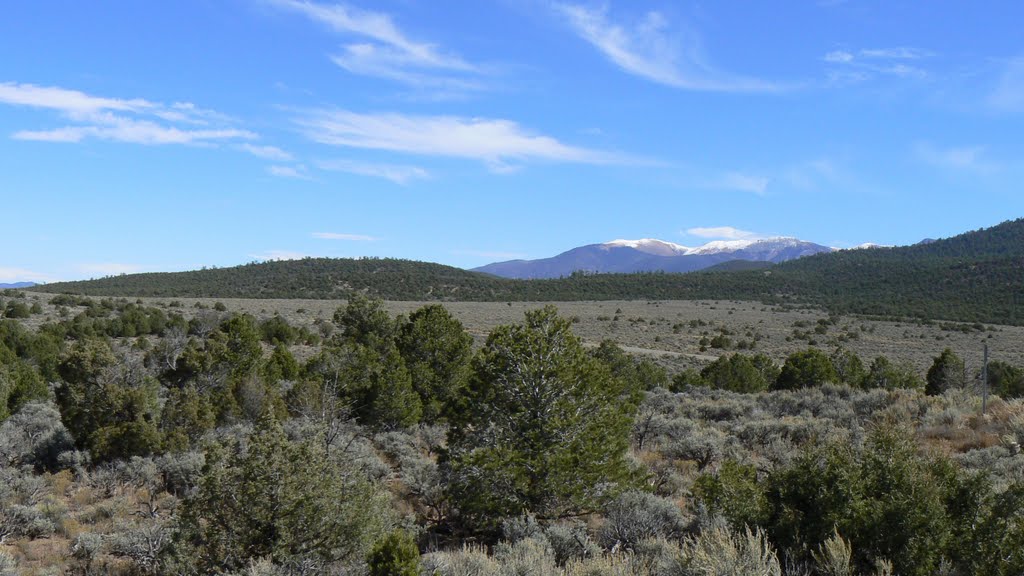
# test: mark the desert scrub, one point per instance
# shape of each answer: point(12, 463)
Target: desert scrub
point(636, 516)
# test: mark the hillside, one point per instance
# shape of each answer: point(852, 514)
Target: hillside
point(977, 276)
point(317, 278)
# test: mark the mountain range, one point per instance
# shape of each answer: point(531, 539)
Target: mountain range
point(977, 276)
point(16, 285)
point(651, 255)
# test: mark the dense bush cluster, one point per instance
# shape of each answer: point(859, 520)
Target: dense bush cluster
point(813, 367)
point(134, 441)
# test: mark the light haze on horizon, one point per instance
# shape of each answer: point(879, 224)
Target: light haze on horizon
point(144, 136)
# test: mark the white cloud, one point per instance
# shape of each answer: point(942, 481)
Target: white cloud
point(109, 268)
point(493, 141)
point(904, 71)
point(897, 53)
point(723, 233)
point(266, 152)
point(189, 113)
point(967, 158)
point(279, 255)
point(10, 275)
point(297, 172)
point(650, 51)
point(120, 129)
point(130, 121)
point(859, 66)
point(839, 56)
point(744, 183)
point(341, 236)
point(65, 100)
point(389, 53)
point(398, 174)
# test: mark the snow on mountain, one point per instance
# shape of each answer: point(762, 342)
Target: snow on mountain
point(719, 246)
point(651, 246)
point(663, 248)
point(651, 254)
point(868, 245)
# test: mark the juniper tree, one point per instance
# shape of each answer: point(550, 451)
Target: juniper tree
point(805, 369)
point(542, 428)
point(278, 499)
point(946, 372)
point(436, 349)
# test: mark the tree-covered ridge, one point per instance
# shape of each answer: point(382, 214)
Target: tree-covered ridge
point(318, 278)
point(974, 277)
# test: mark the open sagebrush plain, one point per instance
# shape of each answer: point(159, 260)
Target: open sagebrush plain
point(679, 333)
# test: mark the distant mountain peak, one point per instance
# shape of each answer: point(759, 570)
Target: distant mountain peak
point(665, 248)
point(654, 255)
point(16, 285)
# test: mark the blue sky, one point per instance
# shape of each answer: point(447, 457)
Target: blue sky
point(152, 136)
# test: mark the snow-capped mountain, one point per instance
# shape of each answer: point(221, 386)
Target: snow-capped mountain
point(650, 255)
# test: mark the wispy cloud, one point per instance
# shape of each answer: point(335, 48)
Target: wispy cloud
point(967, 158)
point(495, 142)
point(282, 171)
point(723, 233)
point(279, 255)
point(743, 183)
point(341, 236)
point(135, 121)
point(266, 152)
point(399, 174)
point(897, 53)
point(838, 57)
point(69, 101)
point(1008, 94)
point(119, 129)
point(650, 50)
point(385, 50)
point(856, 66)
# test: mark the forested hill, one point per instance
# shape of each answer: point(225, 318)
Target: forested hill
point(316, 278)
point(977, 276)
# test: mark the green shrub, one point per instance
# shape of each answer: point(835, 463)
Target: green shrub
point(805, 369)
point(734, 493)
point(394, 555)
